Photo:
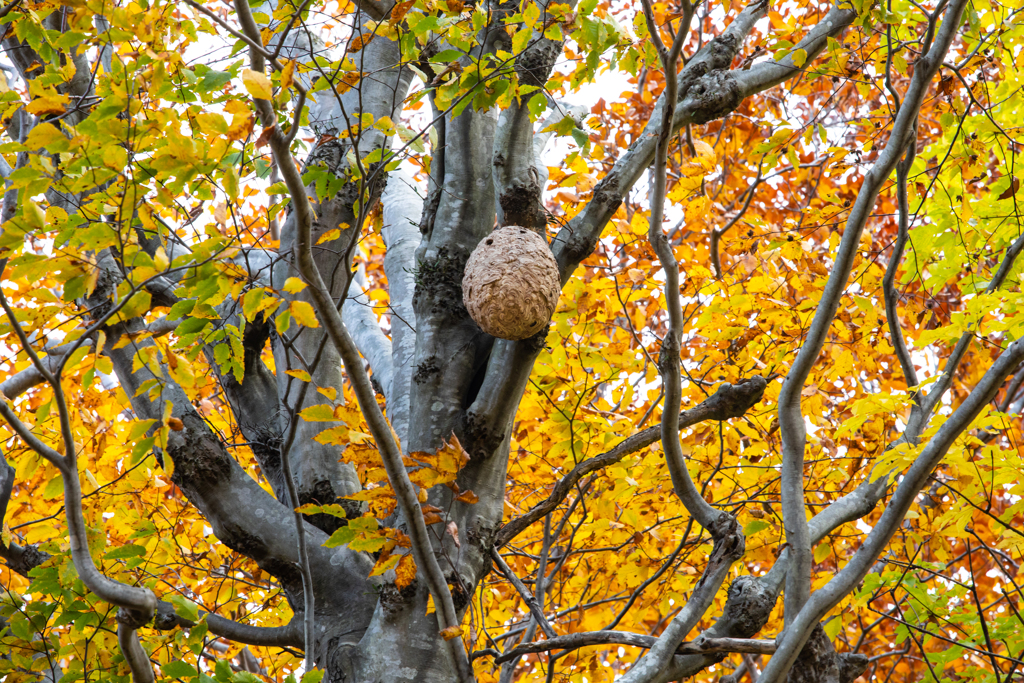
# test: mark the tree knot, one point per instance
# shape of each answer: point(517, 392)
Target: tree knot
point(132, 618)
point(734, 400)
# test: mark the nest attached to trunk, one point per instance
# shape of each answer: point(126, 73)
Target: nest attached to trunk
point(511, 285)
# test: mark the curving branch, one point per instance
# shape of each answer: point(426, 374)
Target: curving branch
point(700, 646)
point(728, 401)
point(531, 602)
point(289, 635)
point(707, 90)
point(371, 341)
point(906, 493)
point(133, 598)
point(888, 280)
point(330, 317)
point(518, 181)
point(705, 77)
point(791, 420)
point(281, 140)
point(668, 356)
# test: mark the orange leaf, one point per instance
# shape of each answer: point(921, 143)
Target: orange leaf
point(361, 41)
point(264, 137)
point(468, 497)
point(399, 11)
point(431, 518)
point(451, 632)
point(405, 572)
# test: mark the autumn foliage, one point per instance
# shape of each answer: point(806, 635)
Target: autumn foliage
point(145, 224)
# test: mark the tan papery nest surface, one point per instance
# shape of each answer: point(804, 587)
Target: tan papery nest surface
point(511, 285)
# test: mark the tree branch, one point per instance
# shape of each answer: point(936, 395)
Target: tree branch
point(122, 595)
point(527, 597)
point(329, 315)
point(668, 357)
point(701, 646)
point(791, 419)
point(402, 208)
point(371, 341)
point(888, 280)
point(727, 402)
point(289, 635)
point(910, 486)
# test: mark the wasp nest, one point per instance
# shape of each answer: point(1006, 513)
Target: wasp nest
point(511, 284)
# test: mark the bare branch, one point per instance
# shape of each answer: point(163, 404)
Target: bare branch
point(281, 142)
point(530, 600)
point(289, 635)
point(888, 281)
point(910, 486)
point(791, 419)
point(122, 595)
point(668, 359)
point(700, 646)
point(728, 401)
point(371, 341)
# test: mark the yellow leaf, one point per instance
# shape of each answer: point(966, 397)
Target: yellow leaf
point(705, 154)
point(257, 84)
point(304, 314)
point(452, 631)
point(48, 104)
point(287, 73)
point(405, 572)
point(799, 58)
point(822, 552)
point(42, 135)
point(299, 374)
point(317, 413)
point(329, 235)
point(384, 564)
point(160, 259)
point(294, 285)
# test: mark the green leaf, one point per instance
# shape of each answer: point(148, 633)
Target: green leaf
point(318, 413)
point(222, 670)
point(283, 321)
point(54, 488)
point(342, 536)
point(444, 57)
point(139, 303)
point(178, 669)
point(213, 80)
point(821, 552)
point(754, 527)
point(369, 544)
point(125, 551)
point(184, 607)
point(314, 676)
